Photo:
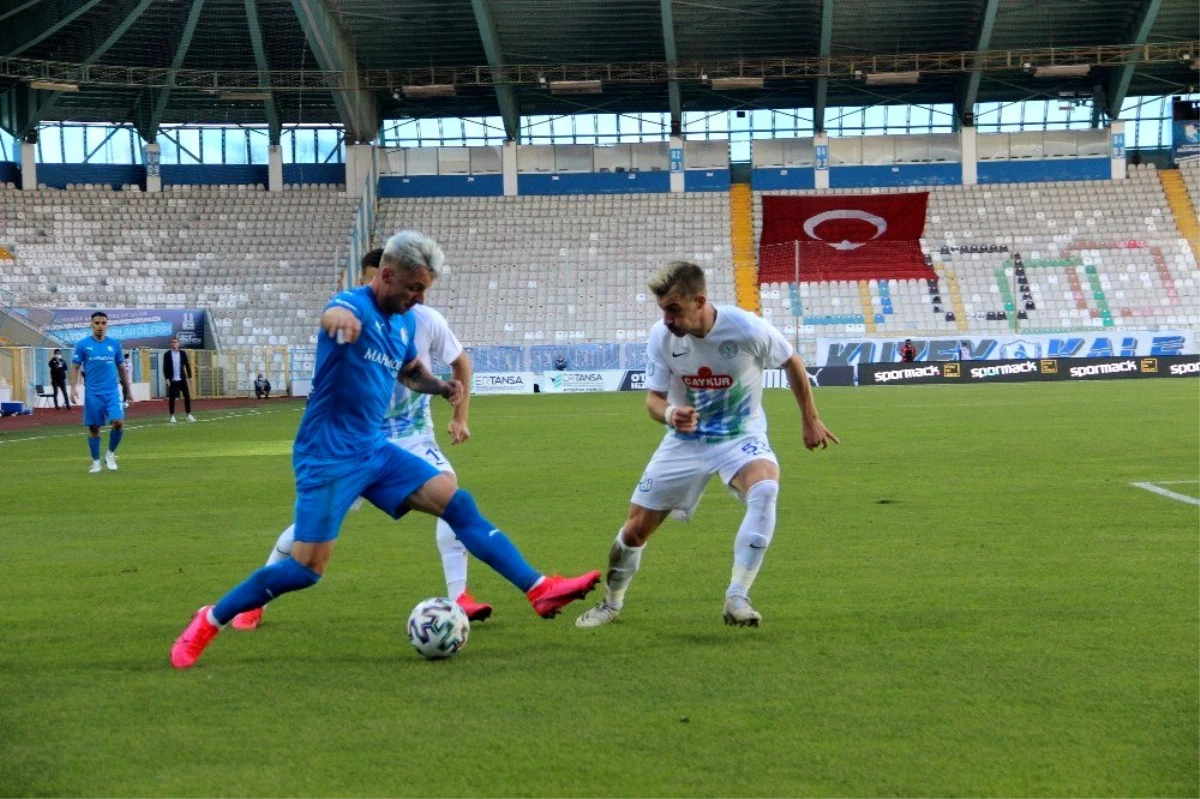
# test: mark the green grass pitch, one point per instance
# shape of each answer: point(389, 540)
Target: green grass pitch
point(967, 597)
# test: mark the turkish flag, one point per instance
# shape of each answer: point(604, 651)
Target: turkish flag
point(843, 237)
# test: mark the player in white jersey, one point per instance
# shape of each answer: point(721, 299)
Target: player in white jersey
point(409, 423)
point(704, 372)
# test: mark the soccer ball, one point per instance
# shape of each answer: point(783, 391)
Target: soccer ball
point(438, 627)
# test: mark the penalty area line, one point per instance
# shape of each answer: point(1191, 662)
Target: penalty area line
point(1152, 488)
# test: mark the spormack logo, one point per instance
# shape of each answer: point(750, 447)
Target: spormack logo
point(1185, 368)
point(1104, 368)
point(984, 372)
point(908, 374)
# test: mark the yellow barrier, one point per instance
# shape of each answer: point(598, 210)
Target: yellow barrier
point(15, 363)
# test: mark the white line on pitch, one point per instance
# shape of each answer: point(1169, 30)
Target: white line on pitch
point(1151, 487)
point(219, 417)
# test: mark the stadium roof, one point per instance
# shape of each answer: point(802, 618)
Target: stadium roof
point(154, 62)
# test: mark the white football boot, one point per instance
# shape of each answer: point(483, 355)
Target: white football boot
point(739, 612)
point(598, 616)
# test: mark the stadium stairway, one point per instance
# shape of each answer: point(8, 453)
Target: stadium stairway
point(956, 300)
point(864, 296)
point(745, 268)
point(1181, 207)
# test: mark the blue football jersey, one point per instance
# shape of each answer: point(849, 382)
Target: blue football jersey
point(351, 388)
point(99, 361)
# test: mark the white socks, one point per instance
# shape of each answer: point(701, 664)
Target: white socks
point(283, 546)
point(454, 560)
point(623, 563)
point(754, 536)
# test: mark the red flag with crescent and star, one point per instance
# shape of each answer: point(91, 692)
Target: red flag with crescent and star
point(843, 237)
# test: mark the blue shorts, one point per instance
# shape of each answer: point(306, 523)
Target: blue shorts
point(100, 409)
point(386, 480)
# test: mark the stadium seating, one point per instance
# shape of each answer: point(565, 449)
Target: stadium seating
point(527, 270)
point(1190, 170)
point(262, 263)
point(573, 269)
point(1017, 257)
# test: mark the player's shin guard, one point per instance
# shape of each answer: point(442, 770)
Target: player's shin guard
point(261, 587)
point(623, 563)
point(114, 438)
point(484, 541)
point(94, 447)
point(754, 536)
point(283, 546)
point(454, 559)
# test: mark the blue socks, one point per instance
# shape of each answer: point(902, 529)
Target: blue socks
point(114, 439)
point(476, 533)
point(94, 446)
point(484, 541)
point(261, 587)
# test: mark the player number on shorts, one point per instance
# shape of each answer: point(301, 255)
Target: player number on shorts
point(756, 448)
point(435, 455)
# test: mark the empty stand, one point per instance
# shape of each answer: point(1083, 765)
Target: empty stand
point(1017, 257)
point(569, 269)
point(262, 263)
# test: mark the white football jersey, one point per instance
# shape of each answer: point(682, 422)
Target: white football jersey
point(409, 414)
point(719, 375)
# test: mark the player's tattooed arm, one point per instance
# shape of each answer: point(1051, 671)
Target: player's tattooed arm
point(416, 377)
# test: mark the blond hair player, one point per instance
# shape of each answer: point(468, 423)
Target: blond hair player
point(704, 372)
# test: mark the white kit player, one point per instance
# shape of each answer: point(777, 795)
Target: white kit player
point(704, 372)
point(409, 425)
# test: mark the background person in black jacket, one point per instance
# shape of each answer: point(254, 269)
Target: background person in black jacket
point(908, 352)
point(58, 378)
point(177, 370)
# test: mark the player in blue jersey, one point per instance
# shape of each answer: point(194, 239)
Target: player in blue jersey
point(365, 344)
point(103, 366)
point(409, 424)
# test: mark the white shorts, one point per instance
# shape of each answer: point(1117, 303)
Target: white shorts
point(679, 470)
point(426, 448)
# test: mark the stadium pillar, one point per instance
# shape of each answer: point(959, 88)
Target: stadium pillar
point(28, 166)
point(821, 170)
point(275, 168)
point(970, 155)
point(508, 167)
point(358, 168)
point(153, 173)
point(676, 143)
point(1116, 149)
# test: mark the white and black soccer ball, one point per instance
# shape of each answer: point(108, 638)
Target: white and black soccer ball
point(438, 627)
